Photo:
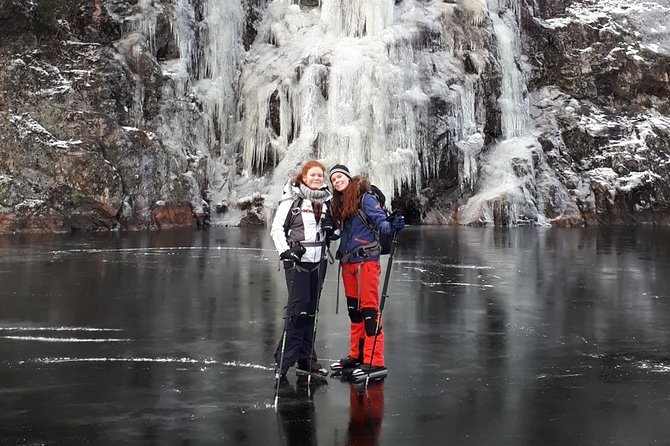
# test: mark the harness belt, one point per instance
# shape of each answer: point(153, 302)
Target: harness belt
point(313, 244)
point(363, 252)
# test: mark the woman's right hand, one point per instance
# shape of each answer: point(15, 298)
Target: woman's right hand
point(293, 254)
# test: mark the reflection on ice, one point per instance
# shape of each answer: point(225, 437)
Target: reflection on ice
point(160, 249)
point(652, 362)
point(479, 285)
point(428, 261)
point(46, 339)
point(158, 360)
point(58, 329)
point(24, 329)
point(516, 336)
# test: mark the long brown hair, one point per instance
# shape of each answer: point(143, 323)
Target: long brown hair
point(305, 168)
point(345, 204)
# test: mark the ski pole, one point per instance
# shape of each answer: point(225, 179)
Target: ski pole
point(337, 294)
point(283, 338)
point(316, 311)
point(382, 300)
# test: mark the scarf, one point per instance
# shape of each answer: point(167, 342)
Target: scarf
point(316, 196)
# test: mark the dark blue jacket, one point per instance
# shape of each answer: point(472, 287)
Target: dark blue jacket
point(355, 233)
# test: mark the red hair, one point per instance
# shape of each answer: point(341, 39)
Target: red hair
point(305, 168)
point(345, 204)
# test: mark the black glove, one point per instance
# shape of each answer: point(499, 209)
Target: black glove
point(362, 253)
point(328, 227)
point(293, 254)
point(397, 221)
point(392, 216)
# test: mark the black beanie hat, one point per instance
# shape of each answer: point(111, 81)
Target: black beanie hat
point(339, 168)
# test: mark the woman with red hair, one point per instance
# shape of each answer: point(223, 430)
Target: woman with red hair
point(359, 253)
point(299, 231)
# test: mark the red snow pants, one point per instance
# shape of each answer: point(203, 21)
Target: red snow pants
point(361, 286)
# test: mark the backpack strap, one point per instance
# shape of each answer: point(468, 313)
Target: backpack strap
point(361, 213)
point(296, 208)
point(374, 247)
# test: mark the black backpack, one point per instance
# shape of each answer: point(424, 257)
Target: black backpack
point(385, 240)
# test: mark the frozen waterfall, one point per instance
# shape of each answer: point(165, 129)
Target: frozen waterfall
point(198, 112)
point(352, 82)
point(338, 84)
point(505, 193)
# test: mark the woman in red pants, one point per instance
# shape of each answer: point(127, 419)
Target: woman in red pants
point(359, 253)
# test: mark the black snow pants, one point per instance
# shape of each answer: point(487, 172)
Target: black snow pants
point(303, 281)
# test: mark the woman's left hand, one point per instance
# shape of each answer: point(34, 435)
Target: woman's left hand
point(398, 222)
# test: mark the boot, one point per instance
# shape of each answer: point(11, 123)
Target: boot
point(345, 363)
point(315, 368)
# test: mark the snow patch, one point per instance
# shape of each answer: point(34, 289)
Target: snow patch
point(649, 18)
point(66, 144)
point(85, 329)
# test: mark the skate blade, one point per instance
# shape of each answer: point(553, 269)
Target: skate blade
point(344, 374)
point(372, 376)
point(299, 372)
point(336, 367)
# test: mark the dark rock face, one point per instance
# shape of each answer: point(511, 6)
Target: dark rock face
point(71, 156)
point(55, 176)
point(611, 113)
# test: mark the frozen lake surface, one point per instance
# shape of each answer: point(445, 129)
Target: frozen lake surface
point(493, 337)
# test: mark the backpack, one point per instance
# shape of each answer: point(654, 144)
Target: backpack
point(384, 240)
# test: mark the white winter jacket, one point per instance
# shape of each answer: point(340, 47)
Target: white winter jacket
point(303, 228)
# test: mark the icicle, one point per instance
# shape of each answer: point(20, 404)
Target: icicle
point(137, 109)
point(145, 21)
point(470, 150)
point(183, 29)
point(475, 11)
point(255, 134)
point(357, 18)
point(218, 65)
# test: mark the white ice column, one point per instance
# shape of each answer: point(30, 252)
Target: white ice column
point(142, 39)
point(374, 107)
point(145, 21)
point(183, 25)
point(357, 18)
point(347, 118)
point(218, 65)
point(514, 105)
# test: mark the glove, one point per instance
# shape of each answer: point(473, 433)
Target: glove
point(293, 254)
point(362, 253)
point(398, 223)
point(328, 227)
